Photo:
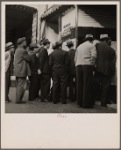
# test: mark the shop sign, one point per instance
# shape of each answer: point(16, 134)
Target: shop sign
point(68, 20)
point(67, 32)
point(68, 23)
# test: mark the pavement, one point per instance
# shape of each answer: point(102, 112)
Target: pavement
point(49, 107)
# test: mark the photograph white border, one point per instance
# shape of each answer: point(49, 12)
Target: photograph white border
point(37, 130)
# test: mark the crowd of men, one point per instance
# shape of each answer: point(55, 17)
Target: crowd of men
point(83, 70)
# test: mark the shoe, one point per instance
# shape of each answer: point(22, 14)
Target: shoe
point(20, 102)
point(64, 102)
point(8, 101)
point(45, 100)
point(104, 105)
point(88, 106)
point(55, 102)
point(31, 99)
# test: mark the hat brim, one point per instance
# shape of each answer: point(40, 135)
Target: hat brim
point(88, 38)
point(8, 48)
point(104, 38)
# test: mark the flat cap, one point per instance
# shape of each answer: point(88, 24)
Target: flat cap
point(33, 45)
point(20, 40)
point(46, 41)
point(8, 46)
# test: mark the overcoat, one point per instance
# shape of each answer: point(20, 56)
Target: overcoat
point(59, 61)
point(21, 63)
point(43, 61)
point(7, 60)
point(71, 55)
point(33, 63)
point(106, 59)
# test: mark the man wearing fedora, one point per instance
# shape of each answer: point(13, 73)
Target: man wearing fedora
point(8, 67)
point(59, 64)
point(84, 60)
point(44, 70)
point(33, 91)
point(21, 68)
point(72, 70)
point(105, 67)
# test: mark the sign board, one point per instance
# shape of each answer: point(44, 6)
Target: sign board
point(68, 23)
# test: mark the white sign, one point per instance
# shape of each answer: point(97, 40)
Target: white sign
point(68, 20)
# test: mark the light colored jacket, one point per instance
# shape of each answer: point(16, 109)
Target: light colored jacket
point(85, 54)
point(7, 60)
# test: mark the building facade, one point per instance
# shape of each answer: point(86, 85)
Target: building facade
point(75, 21)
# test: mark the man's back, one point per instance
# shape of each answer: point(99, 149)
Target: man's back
point(44, 61)
point(59, 60)
point(105, 62)
point(33, 63)
point(85, 53)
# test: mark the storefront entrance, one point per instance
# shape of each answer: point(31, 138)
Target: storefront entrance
point(19, 19)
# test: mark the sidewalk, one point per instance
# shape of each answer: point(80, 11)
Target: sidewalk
point(49, 107)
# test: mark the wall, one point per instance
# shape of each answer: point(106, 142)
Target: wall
point(52, 32)
point(94, 17)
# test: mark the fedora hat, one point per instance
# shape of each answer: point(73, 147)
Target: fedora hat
point(104, 36)
point(58, 43)
point(88, 37)
point(8, 46)
point(46, 41)
point(69, 43)
point(20, 40)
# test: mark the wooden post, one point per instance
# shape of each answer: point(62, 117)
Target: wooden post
point(76, 24)
point(59, 27)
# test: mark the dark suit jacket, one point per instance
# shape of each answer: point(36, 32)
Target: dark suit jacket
point(43, 61)
point(106, 59)
point(33, 63)
point(71, 54)
point(21, 63)
point(59, 61)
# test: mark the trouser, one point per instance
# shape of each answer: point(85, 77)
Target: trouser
point(38, 85)
point(33, 87)
point(59, 81)
point(21, 86)
point(45, 86)
point(72, 88)
point(101, 86)
point(7, 85)
point(84, 76)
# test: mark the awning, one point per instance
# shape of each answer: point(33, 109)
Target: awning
point(54, 10)
point(50, 10)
